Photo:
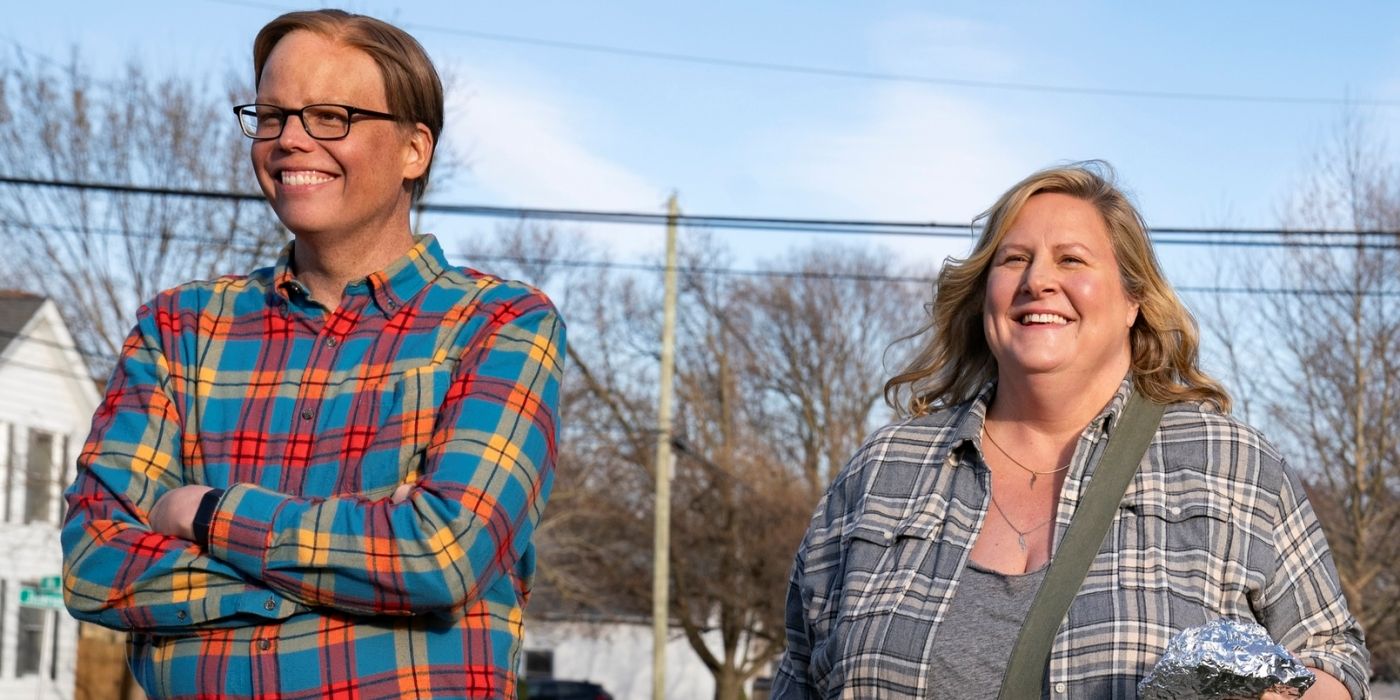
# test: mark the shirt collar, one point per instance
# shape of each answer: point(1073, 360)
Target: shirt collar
point(391, 288)
point(969, 428)
point(1107, 419)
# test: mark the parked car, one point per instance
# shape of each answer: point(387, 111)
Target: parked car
point(552, 689)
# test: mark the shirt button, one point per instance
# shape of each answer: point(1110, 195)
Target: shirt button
point(270, 604)
point(393, 304)
point(306, 414)
point(1060, 687)
point(264, 644)
point(181, 615)
point(332, 342)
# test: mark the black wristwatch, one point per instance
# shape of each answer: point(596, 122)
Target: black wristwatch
point(204, 514)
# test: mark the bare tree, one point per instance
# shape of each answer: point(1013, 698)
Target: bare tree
point(1322, 334)
point(100, 254)
point(778, 378)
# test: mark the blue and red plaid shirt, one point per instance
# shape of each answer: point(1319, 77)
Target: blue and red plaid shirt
point(314, 583)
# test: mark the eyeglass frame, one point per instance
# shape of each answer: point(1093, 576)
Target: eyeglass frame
point(350, 113)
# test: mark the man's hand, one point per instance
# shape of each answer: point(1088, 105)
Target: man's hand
point(173, 513)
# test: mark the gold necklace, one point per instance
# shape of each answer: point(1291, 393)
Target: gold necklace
point(1020, 534)
point(986, 430)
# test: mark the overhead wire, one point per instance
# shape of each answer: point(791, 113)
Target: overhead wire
point(713, 271)
point(15, 335)
point(1283, 237)
point(867, 75)
point(8, 361)
point(636, 266)
point(645, 267)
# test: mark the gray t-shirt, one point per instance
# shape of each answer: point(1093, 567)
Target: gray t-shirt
point(973, 643)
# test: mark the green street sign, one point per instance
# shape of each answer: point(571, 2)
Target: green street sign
point(51, 584)
point(36, 598)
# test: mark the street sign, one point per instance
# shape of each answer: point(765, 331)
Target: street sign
point(51, 584)
point(31, 597)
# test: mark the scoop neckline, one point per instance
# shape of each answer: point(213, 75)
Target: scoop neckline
point(988, 570)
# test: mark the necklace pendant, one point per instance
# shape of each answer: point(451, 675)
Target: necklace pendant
point(1032, 479)
point(1021, 540)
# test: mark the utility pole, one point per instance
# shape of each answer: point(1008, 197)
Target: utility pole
point(661, 549)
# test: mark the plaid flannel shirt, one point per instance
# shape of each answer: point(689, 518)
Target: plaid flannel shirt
point(314, 583)
point(1213, 525)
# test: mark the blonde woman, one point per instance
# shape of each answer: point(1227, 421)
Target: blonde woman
point(924, 557)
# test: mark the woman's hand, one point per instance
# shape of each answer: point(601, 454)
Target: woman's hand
point(1327, 687)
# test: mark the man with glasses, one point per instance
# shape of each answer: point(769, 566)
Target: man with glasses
point(322, 479)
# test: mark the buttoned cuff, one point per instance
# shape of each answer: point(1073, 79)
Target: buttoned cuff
point(1352, 677)
point(240, 533)
point(207, 505)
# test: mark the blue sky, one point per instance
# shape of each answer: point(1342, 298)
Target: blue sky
point(552, 127)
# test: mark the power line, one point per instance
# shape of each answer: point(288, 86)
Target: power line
point(721, 271)
point(54, 344)
point(646, 267)
point(48, 370)
point(700, 270)
point(1389, 240)
point(46, 227)
point(879, 76)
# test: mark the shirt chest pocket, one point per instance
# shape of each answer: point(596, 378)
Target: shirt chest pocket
point(886, 557)
point(1186, 544)
point(407, 409)
point(417, 408)
point(891, 587)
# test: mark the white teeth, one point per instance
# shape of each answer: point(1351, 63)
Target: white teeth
point(1044, 318)
point(303, 177)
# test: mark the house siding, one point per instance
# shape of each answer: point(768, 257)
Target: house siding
point(43, 389)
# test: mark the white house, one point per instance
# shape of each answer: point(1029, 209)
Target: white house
point(46, 404)
point(615, 651)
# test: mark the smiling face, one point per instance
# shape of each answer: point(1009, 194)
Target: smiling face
point(350, 188)
point(1055, 301)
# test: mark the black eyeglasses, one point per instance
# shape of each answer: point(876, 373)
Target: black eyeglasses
point(322, 122)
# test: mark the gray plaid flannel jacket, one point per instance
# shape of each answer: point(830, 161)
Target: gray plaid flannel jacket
point(1213, 525)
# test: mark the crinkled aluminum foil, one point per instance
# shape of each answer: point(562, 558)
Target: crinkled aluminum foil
point(1222, 660)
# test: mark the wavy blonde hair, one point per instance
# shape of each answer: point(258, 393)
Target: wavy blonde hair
point(955, 360)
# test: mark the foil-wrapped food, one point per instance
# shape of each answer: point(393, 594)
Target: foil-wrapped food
point(1224, 660)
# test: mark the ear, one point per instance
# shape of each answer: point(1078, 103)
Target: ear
point(1133, 309)
point(418, 152)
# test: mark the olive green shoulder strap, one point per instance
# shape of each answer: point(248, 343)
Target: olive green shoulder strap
point(1025, 672)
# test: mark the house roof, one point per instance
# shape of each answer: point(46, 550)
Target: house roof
point(16, 308)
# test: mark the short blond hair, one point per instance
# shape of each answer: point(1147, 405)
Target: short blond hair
point(411, 83)
point(955, 361)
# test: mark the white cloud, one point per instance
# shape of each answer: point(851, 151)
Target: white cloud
point(911, 154)
point(522, 147)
